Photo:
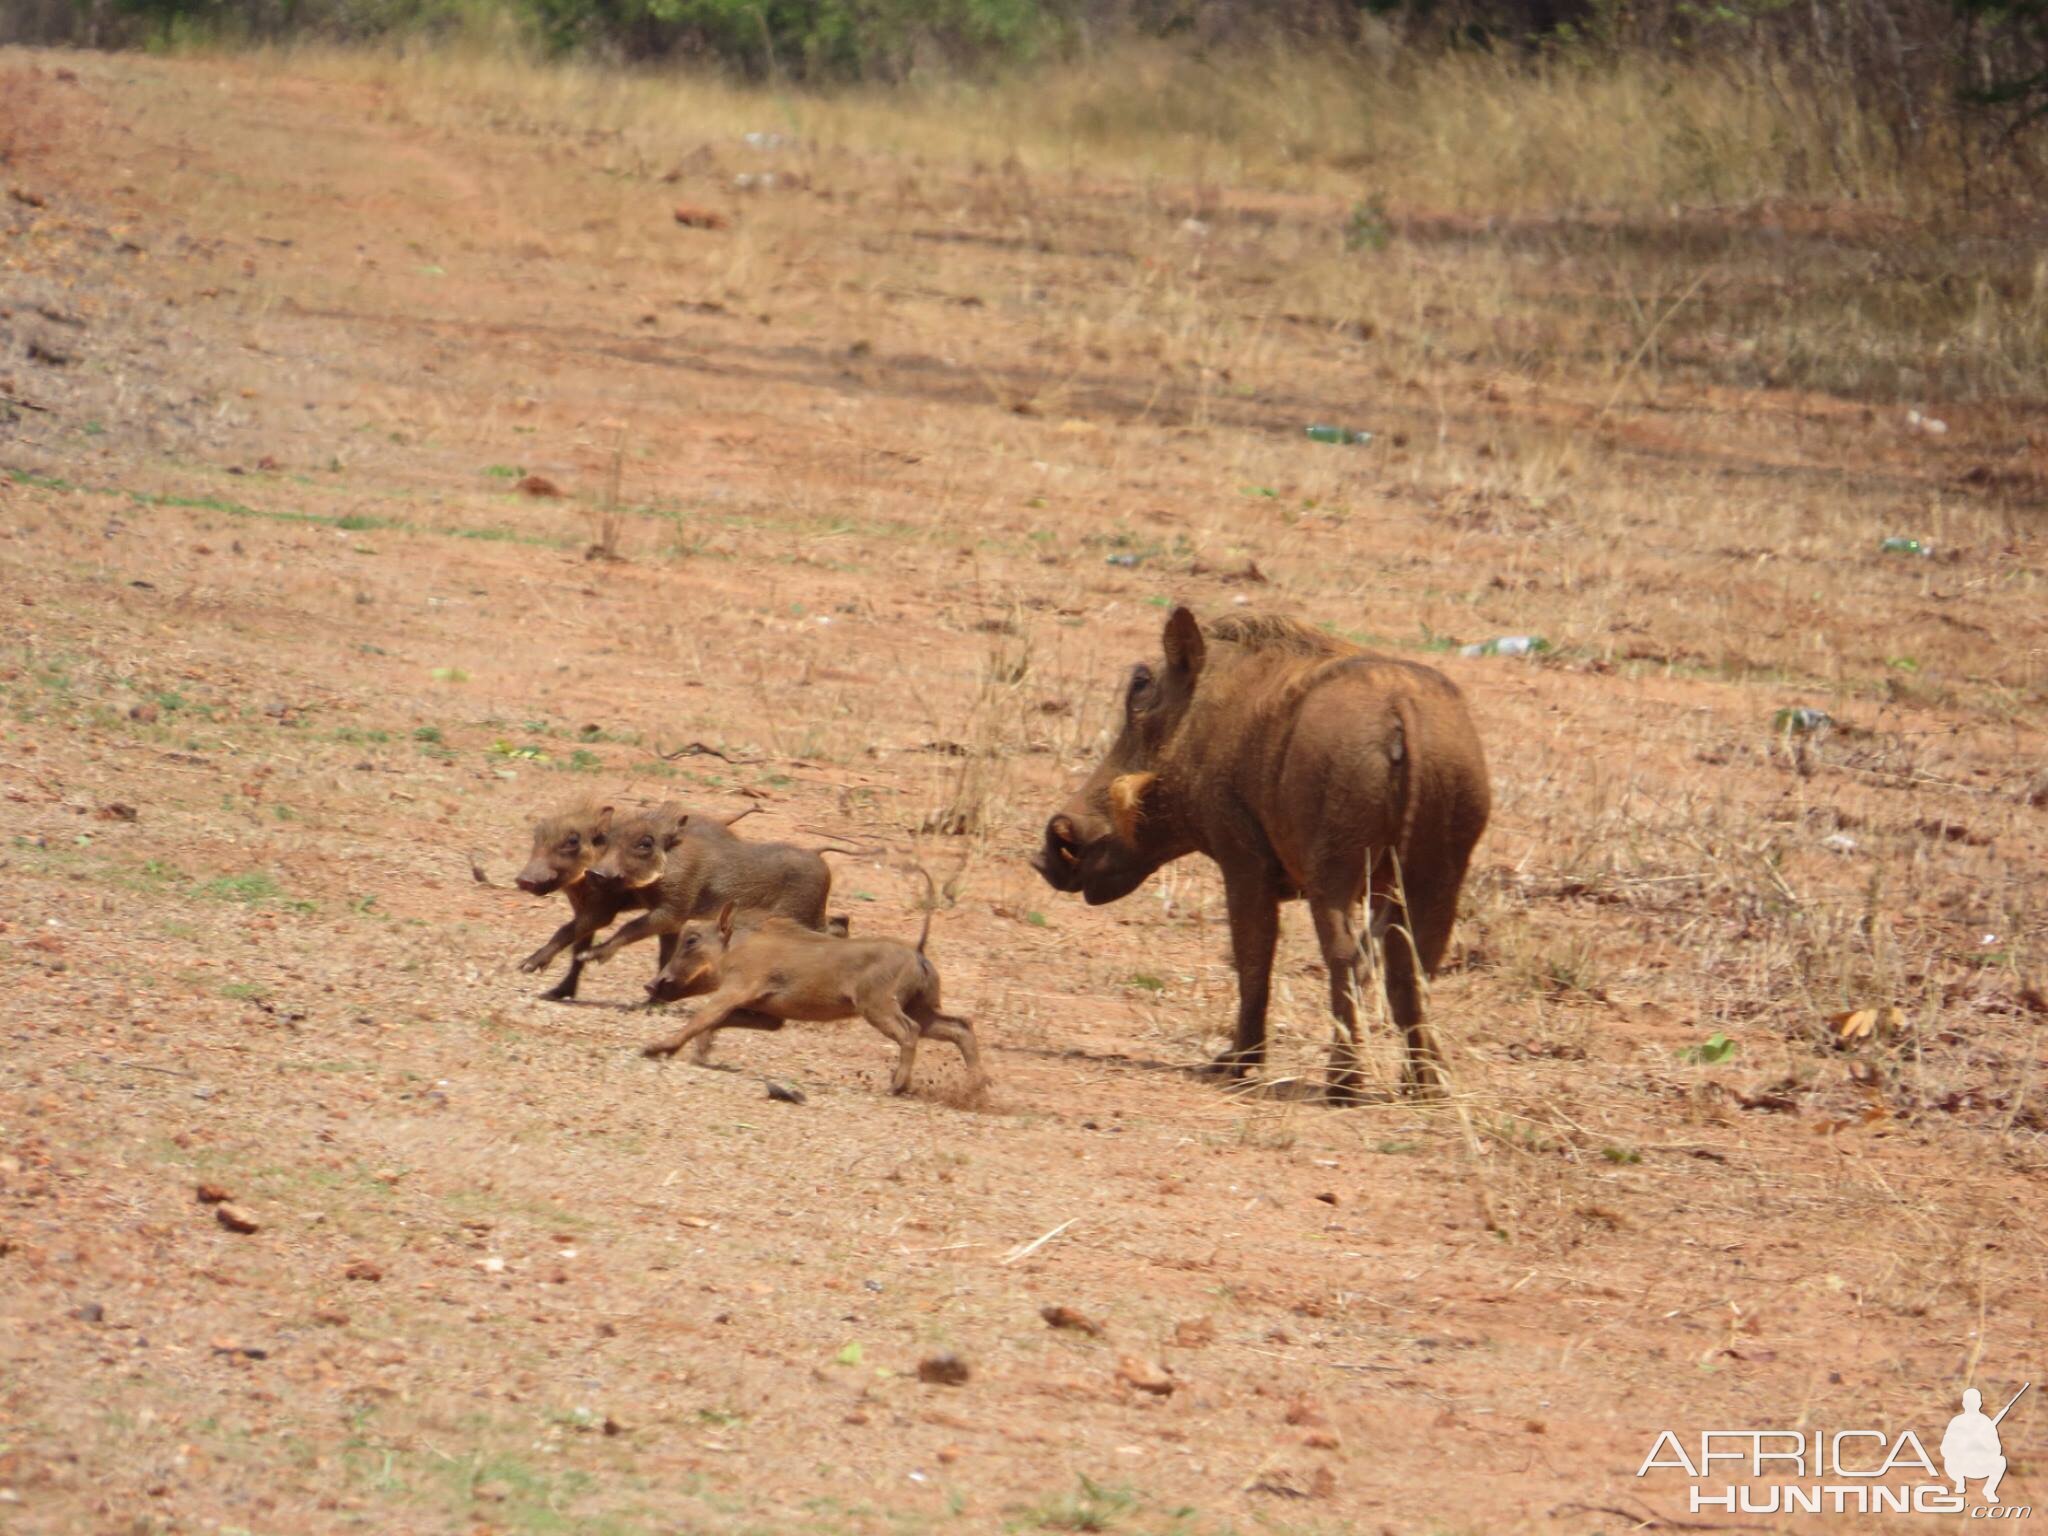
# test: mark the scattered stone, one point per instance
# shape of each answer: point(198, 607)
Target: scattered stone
point(1306, 1412)
point(116, 810)
point(946, 1370)
point(1194, 1333)
point(692, 216)
point(268, 463)
point(332, 1317)
point(362, 1269)
point(1330, 1197)
point(787, 1093)
point(27, 198)
point(1155, 1379)
point(1067, 1317)
point(91, 1312)
point(212, 1194)
point(612, 1426)
point(537, 485)
point(235, 1219)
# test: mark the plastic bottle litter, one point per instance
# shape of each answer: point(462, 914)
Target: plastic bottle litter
point(1801, 720)
point(1507, 645)
point(1904, 546)
point(1338, 435)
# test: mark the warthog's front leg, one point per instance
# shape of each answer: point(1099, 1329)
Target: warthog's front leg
point(1254, 931)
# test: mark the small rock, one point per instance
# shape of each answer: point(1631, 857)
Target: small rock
point(537, 485)
point(946, 1370)
point(1194, 1333)
point(332, 1317)
point(115, 810)
point(1155, 1379)
point(612, 1426)
point(1306, 1412)
point(142, 714)
point(267, 463)
point(362, 1269)
point(691, 216)
point(1330, 1197)
point(948, 1454)
point(1067, 1317)
point(91, 1312)
point(211, 1194)
point(787, 1093)
point(235, 1219)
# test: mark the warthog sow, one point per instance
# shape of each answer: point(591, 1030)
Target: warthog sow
point(1306, 768)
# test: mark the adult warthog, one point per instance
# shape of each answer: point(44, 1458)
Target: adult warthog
point(1306, 768)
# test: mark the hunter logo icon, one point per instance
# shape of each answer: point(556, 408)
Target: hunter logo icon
point(1847, 1470)
point(1970, 1446)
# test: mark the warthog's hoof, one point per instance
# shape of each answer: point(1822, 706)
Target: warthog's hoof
point(1232, 1063)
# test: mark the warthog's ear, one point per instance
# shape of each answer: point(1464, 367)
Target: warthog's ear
point(1183, 637)
point(1127, 803)
point(604, 821)
point(725, 922)
point(674, 834)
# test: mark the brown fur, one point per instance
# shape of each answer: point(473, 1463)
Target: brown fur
point(566, 846)
point(1307, 768)
point(772, 970)
point(679, 867)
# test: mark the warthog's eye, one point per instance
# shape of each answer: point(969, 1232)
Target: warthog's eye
point(647, 845)
point(1141, 686)
point(690, 942)
point(571, 843)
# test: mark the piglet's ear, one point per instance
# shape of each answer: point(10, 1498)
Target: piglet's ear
point(604, 820)
point(674, 834)
point(725, 921)
point(1183, 637)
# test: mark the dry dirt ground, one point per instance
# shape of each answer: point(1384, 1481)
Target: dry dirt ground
point(902, 462)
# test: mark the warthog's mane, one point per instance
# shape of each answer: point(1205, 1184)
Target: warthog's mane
point(1271, 632)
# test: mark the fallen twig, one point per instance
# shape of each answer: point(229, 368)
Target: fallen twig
point(1025, 1250)
point(699, 749)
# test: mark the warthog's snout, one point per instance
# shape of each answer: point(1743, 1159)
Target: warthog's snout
point(1059, 861)
point(539, 879)
point(1083, 853)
